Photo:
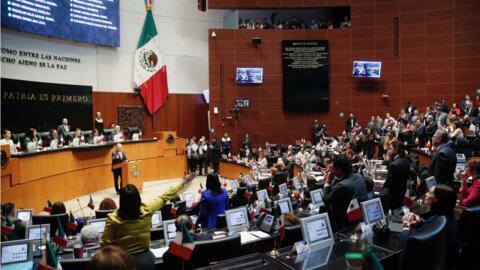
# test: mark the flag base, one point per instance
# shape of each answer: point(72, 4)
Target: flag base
point(274, 252)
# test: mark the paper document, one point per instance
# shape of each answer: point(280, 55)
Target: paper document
point(260, 234)
point(246, 237)
point(158, 252)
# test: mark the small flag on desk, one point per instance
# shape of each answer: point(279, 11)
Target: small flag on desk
point(49, 259)
point(248, 193)
point(7, 227)
point(200, 189)
point(72, 223)
point(354, 212)
point(60, 238)
point(48, 207)
point(281, 230)
point(91, 205)
point(252, 214)
point(183, 245)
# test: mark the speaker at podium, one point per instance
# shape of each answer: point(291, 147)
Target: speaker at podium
point(131, 173)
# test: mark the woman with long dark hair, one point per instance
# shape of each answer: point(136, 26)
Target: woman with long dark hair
point(129, 226)
point(213, 202)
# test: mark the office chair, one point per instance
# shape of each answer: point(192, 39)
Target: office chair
point(52, 220)
point(209, 251)
point(469, 237)
point(221, 221)
point(103, 213)
point(293, 234)
point(427, 249)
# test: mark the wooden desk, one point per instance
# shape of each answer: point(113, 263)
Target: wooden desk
point(65, 174)
point(231, 170)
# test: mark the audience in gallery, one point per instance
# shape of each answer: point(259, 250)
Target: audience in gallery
point(113, 258)
point(129, 226)
point(294, 23)
point(213, 202)
point(470, 196)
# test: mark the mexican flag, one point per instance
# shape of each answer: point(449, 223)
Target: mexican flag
point(354, 212)
point(60, 238)
point(49, 259)
point(150, 72)
point(183, 244)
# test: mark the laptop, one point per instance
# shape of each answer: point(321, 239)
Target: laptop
point(282, 189)
point(262, 194)
point(99, 224)
point(24, 215)
point(37, 232)
point(430, 182)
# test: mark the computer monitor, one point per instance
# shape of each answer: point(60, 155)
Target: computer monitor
point(372, 211)
point(189, 199)
point(24, 215)
point(16, 251)
point(461, 158)
point(316, 230)
point(157, 219)
point(267, 223)
point(37, 232)
point(430, 182)
point(98, 223)
point(262, 194)
point(285, 205)
point(317, 197)
point(237, 219)
point(169, 231)
point(282, 189)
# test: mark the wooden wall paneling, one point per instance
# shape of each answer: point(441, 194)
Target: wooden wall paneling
point(431, 63)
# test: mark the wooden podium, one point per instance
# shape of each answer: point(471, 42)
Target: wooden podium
point(131, 173)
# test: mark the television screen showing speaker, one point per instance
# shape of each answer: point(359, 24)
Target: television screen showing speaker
point(367, 69)
point(249, 75)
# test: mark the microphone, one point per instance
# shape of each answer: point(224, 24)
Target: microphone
point(81, 209)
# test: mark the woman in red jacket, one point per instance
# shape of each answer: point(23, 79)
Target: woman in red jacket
point(471, 196)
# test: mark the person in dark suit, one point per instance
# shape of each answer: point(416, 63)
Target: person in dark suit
point(395, 185)
point(420, 133)
point(247, 142)
point(99, 122)
point(118, 157)
point(444, 162)
point(63, 129)
point(215, 154)
point(341, 185)
point(53, 140)
point(316, 128)
point(350, 123)
point(430, 127)
point(410, 108)
point(470, 110)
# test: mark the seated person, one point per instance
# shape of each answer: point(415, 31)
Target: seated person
point(117, 134)
point(7, 140)
point(113, 258)
point(470, 197)
point(32, 141)
point(290, 219)
point(441, 199)
point(97, 137)
point(107, 204)
point(89, 237)
point(58, 208)
point(341, 184)
point(53, 140)
point(77, 138)
point(12, 228)
point(171, 261)
point(213, 202)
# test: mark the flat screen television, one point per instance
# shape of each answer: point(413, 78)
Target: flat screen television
point(249, 75)
point(367, 69)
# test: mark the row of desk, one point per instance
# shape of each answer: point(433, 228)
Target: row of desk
point(30, 179)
